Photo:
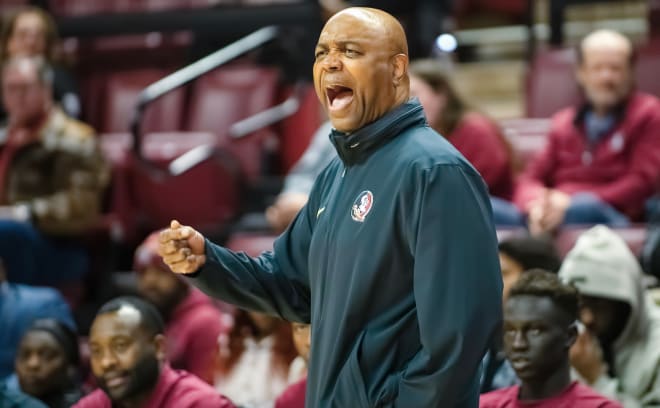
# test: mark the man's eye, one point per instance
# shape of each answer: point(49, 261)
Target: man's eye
point(320, 54)
point(534, 331)
point(351, 53)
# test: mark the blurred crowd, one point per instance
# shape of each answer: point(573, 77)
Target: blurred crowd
point(581, 327)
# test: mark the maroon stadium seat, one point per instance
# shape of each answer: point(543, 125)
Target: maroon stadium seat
point(225, 96)
point(206, 196)
point(252, 244)
point(71, 8)
point(122, 91)
point(297, 130)
point(634, 237)
point(551, 83)
point(648, 68)
point(527, 136)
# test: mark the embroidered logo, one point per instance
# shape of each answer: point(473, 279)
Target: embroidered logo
point(362, 205)
point(617, 142)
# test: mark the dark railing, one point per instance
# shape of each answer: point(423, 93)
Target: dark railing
point(193, 71)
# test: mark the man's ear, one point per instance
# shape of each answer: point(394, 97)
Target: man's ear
point(160, 347)
point(400, 68)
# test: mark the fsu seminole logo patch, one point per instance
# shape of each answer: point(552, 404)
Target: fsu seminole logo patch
point(362, 205)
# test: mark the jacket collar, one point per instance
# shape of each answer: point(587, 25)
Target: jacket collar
point(354, 148)
point(618, 111)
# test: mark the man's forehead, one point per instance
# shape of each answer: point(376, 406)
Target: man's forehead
point(126, 320)
point(352, 25)
point(530, 307)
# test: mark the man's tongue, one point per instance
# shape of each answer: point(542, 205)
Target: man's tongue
point(341, 99)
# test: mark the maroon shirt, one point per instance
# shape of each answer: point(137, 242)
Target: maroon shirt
point(175, 389)
point(576, 395)
point(192, 335)
point(622, 169)
point(293, 396)
point(481, 142)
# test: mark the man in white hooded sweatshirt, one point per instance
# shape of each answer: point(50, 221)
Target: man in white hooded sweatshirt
point(619, 353)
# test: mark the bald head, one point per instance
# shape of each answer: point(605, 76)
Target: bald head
point(393, 33)
point(605, 41)
point(605, 69)
point(361, 67)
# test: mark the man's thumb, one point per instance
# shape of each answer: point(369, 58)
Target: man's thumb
point(174, 224)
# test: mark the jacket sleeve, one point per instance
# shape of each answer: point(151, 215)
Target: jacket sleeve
point(275, 282)
point(457, 287)
point(629, 191)
point(537, 175)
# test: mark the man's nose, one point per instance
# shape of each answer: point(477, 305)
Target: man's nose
point(33, 362)
point(332, 61)
point(108, 361)
point(519, 341)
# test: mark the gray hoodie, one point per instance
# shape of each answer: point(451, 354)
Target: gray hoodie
point(601, 265)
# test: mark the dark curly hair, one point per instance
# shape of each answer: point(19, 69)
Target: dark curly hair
point(538, 282)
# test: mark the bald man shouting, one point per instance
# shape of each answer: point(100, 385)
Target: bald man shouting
point(394, 258)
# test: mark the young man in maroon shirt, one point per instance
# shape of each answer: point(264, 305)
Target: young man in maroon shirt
point(602, 160)
point(540, 326)
point(127, 350)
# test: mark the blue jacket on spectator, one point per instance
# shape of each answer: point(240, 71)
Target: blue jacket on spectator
point(20, 305)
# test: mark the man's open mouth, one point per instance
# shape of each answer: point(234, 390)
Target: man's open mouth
point(338, 96)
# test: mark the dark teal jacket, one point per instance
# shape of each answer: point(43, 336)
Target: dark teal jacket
point(393, 261)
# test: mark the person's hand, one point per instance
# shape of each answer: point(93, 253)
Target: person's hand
point(546, 213)
point(587, 357)
point(536, 213)
point(182, 248)
point(556, 203)
point(285, 209)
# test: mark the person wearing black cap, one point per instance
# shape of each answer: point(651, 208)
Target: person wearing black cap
point(47, 363)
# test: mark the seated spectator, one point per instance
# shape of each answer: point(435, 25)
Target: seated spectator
point(31, 32)
point(13, 398)
point(601, 162)
point(539, 328)
point(20, 306)
point(52, 176)
point(517, 255)
point(192, 322)
point(299, 181)
point(473, 134)
point(48, 362)
point(294, 395)
point(254, 359)
point(127, 349)
point(619, 353)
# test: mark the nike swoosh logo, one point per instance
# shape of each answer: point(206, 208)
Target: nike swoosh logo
point(320, 210)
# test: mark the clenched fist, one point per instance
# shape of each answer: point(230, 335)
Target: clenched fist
point(182, 248)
